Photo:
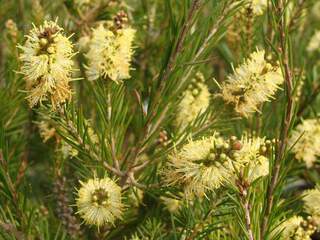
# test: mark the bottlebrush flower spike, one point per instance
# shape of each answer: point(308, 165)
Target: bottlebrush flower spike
point(252, 155)
point(311, 201)
point(252, 83)
point(306, 141)
point(110, 54)
point(195, 101)
point(99, 201)
point(47, 65)
point(200, 165)
point(297, 228)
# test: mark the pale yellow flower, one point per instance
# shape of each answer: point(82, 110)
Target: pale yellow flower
point(195, 100)
point(312, 204)
point(110, 54)
point(290, 226)
point(250, 149)
point(100, 52)
point(314, 43)
point(99, 201)
point(47, 65)
point(297, 228)
point(199, 165)
point(259, 168)
point(252, 83)
point(258, 6)
point(251, 155)
point(123, 52)
point(306, 138)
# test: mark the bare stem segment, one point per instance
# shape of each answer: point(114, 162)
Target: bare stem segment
point(282, 144)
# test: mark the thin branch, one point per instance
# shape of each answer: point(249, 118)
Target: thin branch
point(287, 121)
point(243, 187)
point(246, 208)
point(72, 129)
point(174, 55)
point(135, 183)
point(206, 42)
point(181, 39)
point(148, 131)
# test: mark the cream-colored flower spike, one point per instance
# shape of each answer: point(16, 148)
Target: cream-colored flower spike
point(200, 165)
point(47, 65)
point(110, 54)
point(297, 228)
point(195, 100)
point(306, 141)
point(252, 156)
point(206, 164)
point(252, 83)
point(99, 201)
point(311, 201)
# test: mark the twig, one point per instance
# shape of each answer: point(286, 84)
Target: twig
point(174, 54)
point(74, 132)
point(185, 29)
point(212, 33)
point(206, 42)
point(135, 183)
point(246, 208)
point(138, 97)
point(243, 187)
point(172, 61)
point(148, 131)
point(287, 121)
point(113, 152)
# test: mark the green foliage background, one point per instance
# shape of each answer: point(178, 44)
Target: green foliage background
point(172, 44)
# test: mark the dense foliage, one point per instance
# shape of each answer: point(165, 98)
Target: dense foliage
point(159, 119)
